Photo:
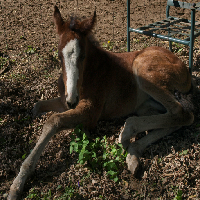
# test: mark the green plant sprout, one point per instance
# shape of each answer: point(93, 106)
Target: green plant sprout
point(30, 50)
point(105, 156)
point(69, 192)
point(34, 194)
point(109, 45)
point(184, 152)
point(179, 195)
point(3, 61)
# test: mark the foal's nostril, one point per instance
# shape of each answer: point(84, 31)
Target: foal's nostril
point(73, 105)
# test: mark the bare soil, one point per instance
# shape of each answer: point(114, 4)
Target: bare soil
point(170, 168)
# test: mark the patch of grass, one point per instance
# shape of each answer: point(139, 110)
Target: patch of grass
point(69, 193)
point(179, 48)
point(179, 195)
point(55, 53)
point(184, 152)
point(3, 61)
point(98, 154)
point(109, 45)
point(18, 76)
point(47, 75)
point(1, 121)
point(24, 156)
point(27, 118)
point(136, 41)
point(159, 160)
point(30, 50)
point(33, 194)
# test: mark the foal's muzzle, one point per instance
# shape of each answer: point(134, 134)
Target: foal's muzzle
point(73, 105)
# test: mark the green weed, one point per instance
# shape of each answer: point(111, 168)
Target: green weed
point(98, 154)
point(18, 76)
point(184, 152)
point(24, 156)
point(136, 41)
point(1, 121)
point(33, 194)
point(3, 61)
point(179, 48)
point(69, 192)
point(109, 45)
point(30, 50)
point(179, 195)
point(47, 75)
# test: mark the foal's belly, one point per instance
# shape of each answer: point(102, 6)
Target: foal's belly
point(123, 104)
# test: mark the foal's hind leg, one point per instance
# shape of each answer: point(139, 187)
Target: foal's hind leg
point(161, 125)
point(148, 108)
point(136, 149)
point(175, 116)
point(58, 104)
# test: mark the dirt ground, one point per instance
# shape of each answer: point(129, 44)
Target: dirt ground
point(29, 70)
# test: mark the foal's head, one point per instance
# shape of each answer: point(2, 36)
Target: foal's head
point(72, 46)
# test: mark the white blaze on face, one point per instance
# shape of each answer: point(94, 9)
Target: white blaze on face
point(71, 53)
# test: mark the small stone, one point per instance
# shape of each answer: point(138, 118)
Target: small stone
point(94, 182)
point(5, 195)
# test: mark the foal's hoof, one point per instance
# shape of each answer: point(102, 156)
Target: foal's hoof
point(13, 195)
point(125, 143)
point(36, 110)
point(133, 163)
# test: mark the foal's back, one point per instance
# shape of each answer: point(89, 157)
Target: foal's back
point(160, 67)
point(153, 68)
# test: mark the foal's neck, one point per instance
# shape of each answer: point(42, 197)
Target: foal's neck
point(96, 54)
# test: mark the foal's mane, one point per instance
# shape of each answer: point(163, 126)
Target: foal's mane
point(74, 24)
point(93, 40)
point(73, 21)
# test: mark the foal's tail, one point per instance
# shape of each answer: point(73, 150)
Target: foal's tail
point(187, 99)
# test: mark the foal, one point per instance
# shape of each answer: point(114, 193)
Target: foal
point(102, 85)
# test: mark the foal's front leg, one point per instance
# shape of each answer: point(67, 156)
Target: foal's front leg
point(82, 114)
point(57, 105)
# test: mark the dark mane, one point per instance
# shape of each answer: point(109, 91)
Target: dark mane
point(75, 22)
point(93, 40)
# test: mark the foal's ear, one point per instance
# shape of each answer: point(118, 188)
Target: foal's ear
point(58, 20)
point(85, 26)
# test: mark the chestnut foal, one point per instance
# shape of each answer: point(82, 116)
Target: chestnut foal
point(150, 84)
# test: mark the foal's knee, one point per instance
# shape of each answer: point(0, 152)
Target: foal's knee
point(188, 118)
point(180, 115)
